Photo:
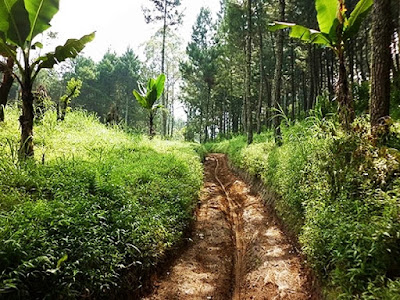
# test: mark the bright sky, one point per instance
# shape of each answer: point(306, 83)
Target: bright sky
point(118, 23)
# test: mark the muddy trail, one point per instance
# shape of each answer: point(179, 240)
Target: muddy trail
point(237, 250)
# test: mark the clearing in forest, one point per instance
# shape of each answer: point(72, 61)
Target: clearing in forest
point(237, 249)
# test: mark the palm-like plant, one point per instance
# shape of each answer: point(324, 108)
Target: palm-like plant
point(148, 97)
point(335, 29)
point(73, 91)
point(20, 22)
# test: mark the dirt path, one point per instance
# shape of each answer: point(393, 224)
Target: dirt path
point(237, 250)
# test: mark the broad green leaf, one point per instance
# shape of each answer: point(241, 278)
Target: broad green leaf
point(18, 19)
point(70, 50)
point(327, 13)
point(152, 97)
point(40, 14)
point(5, 8)
point(357, 16)
point(150, 83)
point(160, 82)
point(140, 99)
point(303, 33)
point(154, 89)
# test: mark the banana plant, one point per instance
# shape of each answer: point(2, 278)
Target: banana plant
point(73, 91)
point(335, 29)
point(20, 22)
point(148, 97)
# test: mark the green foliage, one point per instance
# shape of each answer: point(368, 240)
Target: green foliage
point(340, 195)
point(153, 92)
point(108, 84)
point(327, 14)
point(73, 90)
point(96, 204)
point(333, 23)
point(361, 97)
point(70, 49)
point(22, 21)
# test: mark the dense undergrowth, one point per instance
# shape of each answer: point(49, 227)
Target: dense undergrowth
point(340, 195)
point(95, 210)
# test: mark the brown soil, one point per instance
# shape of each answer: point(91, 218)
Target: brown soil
point(237, 249)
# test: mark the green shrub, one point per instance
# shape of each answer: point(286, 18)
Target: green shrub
point(96, 203)
point(339, 194)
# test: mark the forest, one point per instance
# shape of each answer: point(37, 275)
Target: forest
point(260, 159)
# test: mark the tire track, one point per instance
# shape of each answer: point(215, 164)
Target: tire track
point(237, 250)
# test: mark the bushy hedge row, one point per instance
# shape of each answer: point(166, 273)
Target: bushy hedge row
point(102, 205)
point(341, 195)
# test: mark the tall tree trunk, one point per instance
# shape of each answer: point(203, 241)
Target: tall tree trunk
point(207, 115)
point(311, 90)
point(26, 120)
point(248, 76)
point(351, 61)
point(381, 57)
point(276, 88)
point(329, 73)
point(126, 111)
point(293, 89)
point(359, 59)
point(345, 100)
point(172, 114)
point(367, 56)
point(6, 86)
point(268, 90)
point(261, 87)
point(163, 100)
point(304, 81)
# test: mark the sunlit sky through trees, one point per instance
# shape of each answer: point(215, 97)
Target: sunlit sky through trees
point(118, 23)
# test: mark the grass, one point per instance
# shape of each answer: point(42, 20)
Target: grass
point(340, 195)
point(94, 205)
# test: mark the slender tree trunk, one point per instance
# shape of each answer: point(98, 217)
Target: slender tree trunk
point(351, 61)
point(245, 110)
point(360, 62)
point(316, 72)
point(6, 86)
point(381, 57)
point(126, 111)
point(248, 75)
point(268, 91)
point(26, 120)
point(276, 88)
point(329, 73)
point(304, 92)
point(173, 110)
point(201, 126)
point(311, 90)
point(207, 115)
point(367, 56)
point(163, 100)
point(293, 91)
point(261, 87)
point(345, 100)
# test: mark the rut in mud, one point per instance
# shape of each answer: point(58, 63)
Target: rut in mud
point(237, 250)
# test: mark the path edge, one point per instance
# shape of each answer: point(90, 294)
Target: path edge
point(269, 196)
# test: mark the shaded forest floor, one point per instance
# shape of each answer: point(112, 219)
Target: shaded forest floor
point(237, 250)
